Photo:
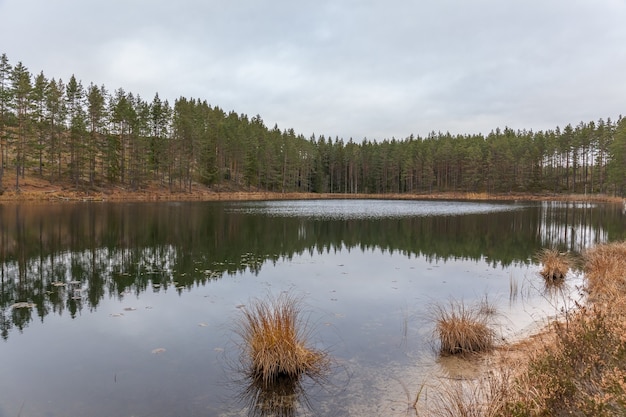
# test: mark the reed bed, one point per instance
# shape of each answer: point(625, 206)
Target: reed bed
point(463, 329)
point(274, 346)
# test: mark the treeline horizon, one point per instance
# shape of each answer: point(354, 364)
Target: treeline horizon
point(92, 138)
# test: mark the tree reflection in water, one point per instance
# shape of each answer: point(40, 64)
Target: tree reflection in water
point(68, 257)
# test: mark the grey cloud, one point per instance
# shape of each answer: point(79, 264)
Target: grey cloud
point(349, 69)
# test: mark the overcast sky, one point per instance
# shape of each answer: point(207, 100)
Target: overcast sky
point(353, 69)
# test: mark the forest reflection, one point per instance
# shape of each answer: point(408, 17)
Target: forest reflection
point(64, 258)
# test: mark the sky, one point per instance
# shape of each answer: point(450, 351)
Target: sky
point(342, 68)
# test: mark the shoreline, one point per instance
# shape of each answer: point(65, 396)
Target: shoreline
point(51, 194)
point(33, 189)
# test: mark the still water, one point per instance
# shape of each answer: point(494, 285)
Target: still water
point(131, 309)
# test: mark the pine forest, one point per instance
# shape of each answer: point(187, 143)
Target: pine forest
point(85, 135)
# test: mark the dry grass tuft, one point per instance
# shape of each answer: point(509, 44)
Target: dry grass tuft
point(556, 264)
point(462, 329)
point(575, 368)
point(605, 271)
point(274, 342)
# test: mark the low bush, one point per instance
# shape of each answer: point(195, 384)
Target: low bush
point(582, 373)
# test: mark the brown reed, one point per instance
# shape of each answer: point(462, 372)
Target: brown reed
point(462, 329)
point(556, 264)
point(275, 342)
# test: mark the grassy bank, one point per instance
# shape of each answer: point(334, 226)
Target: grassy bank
point(574, 367)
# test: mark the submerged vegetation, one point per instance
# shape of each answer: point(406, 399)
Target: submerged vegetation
point(94, 139)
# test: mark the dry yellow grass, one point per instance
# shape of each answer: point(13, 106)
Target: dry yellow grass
point(274, 342)
point(575, 367)
point(605, 272)
point(462, 329)
point(556, 265)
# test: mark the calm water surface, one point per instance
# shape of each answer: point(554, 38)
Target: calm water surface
point(130, 309)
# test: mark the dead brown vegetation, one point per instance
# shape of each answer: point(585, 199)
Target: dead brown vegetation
point(573, 367)
point(463, 329)
point(556, 264)
point(275, 342)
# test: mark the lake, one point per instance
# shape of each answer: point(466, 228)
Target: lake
point(130, 309)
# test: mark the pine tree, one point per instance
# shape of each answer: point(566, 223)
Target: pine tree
point(5, 104)
point(56, 114)
point(21, 89)
point(75, 98)
point(38, 98)
point(617, 164)
point(96, 115)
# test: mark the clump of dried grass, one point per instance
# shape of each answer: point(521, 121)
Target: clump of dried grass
point(275, 342)
point(605, 271)
point(577, 368)
point(556, 264)
point(463, 329)
point(583, 371)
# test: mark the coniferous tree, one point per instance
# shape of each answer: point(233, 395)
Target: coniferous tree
point(5, 106)
point(22, 86)
point(159, 157)
point(617, 166)
point(96, 120)
point(75, 102)
point(56, 111)
point(38, 98)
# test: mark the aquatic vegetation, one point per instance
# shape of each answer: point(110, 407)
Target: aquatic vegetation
point(576, 367)
point(556, 264)
point(274, 345)
point(481, 397)
point(463, 329)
